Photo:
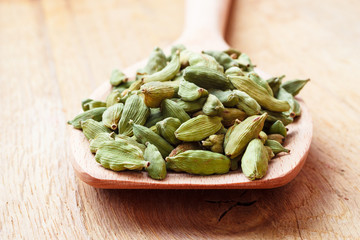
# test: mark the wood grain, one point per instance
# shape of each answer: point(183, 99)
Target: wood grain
point(54, 53)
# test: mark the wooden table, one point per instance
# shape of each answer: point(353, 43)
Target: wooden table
point(55, 53)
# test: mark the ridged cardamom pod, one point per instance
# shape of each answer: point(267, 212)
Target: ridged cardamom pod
point(235, 71)
point(285, 96)
point(245, 62)
point(190, 92)
point(171, 109)
point(94, 104)
point(131, 141)
point(294, 86)
point(100, 139)
point(157, 168)
point(95, 114)
point(277, 137)
point(198, 128)
point(254, 162)
point(167, 73)
point(92, 128)
point(112, 115)
point(84, 105)
point(156, 62)
point(167, 127)
point(155, 92)
point(225, 60)
point(261, 82)
point(205, 60)
point(185, 146)
point(275, 83)
point(144, 135)
point(229, 116)
point(207, 78)
point(117, 78)
point(199, 162)
point(228, 98)
point(243, 134)
point(278, 127)
point(213, 106)
point(229, 131)
point(113, 98)
point(259, 93)
point(135, 110)
point(118, 155)
point(246, 103)
point(214, 143)
point(190, 107)
point(276, 147)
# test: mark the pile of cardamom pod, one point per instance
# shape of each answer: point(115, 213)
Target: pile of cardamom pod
point(200, 113)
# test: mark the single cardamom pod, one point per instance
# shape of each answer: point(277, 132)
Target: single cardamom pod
point(261, 82)
point(254, 162)
point(294, 86)
point(276, 147)
point(225, 60)
point(245, 63)
point(94, 104)
point(275, 83)
point(118, 155)
point(190, 107)
point(117, 78)
point(144, 135)
point(112, 115)
point(199, 162)
point(205, 60)
point(155, 92)
point(229, 116)
point(157, 168)
point(246, 103)
point(243, 134)
point(167, 127)
point(190, 92)
point(131, 141)
point(285, 96)
point(281, 116)
point(263, 137)
point(229, 131)
point(135, 110)
point(172, 109)
point(113, 98)
point(213, 106)
point(84, 105)
point(235, 71)
point(228, 98)
point(278, 127)
point(92, 128)
point(100, 139)
point(95, 114)
point(156, 62)
point(198, 128)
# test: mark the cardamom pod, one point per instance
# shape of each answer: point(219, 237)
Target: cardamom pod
point(277, 137)
point(214, 143)
point(243, 134)
point(190, 107)
point(118, 155)
point(113, 98)
point(190, 92)
point(245, 62)
point(172, 109)
point(205, 60)
point(131, 141)
point(228, 98)
point(199, 162)
point(157, 168)
point(235, 71)
point(155, 92)
point(294, 86)
point(117, 78)
point(275, 83)
point(261, 82)
point(112, 115)
point(198, 128)
point(254, 162)
point(246, 103)
point(167, 127)
point(156, 62)
point(92, 128)
point(213, 106)
point(263, 137)
point(94, 104)
point(95, 114)
point(229, 131)
point(84, 105)
point(276, 147)
point(134, 109)
point(229, 116)
point(225, 60)
point(100, 139)
point(275, 116)
point(167, 73)
point(278, 127)
point(144, 135)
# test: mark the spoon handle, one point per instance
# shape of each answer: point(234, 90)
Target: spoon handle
point(205, 24)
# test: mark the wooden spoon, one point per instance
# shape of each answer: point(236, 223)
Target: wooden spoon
point(205, 22)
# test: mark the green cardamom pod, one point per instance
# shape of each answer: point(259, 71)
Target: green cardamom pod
point(131, 141)
point(214, 143)
point(243, 134)
point(278, 127)
point(285, 96)
point(94, 104)
point(277, 137)
point(245, 62)
point(95, 114)
point(228, 98)
point(144, 135)
point(230, 115)
point(254, 162)
point(198, 128)
point(112, 115)
point(225, 60)
point(259, 93)
point(84, 105)
point(167, 73)
point(261, 82)
point(213, 106)
point(235, 71)
point(113, 98)
point(233, 53)
point(246, 103)
point(275, 83)
point(281, 116)
point(155, 92)
point(276, 147)
point(135, 110)
point(92, 128)
point(294, 86)
point(117, 78)
point(172, 109)
point(100, 139)
point(190, 107)
point(205, 60)
point(157, 168)
point(229, 131)
point(263, 137)
point(207, 78)
point(156, 62)
point(174, 49)
point(118, 155)
point(167, 127)
point(190, 92)
point(199, 162)
point(185, 146)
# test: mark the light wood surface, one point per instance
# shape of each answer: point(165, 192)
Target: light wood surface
point(53, 53)
point(282, 169)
